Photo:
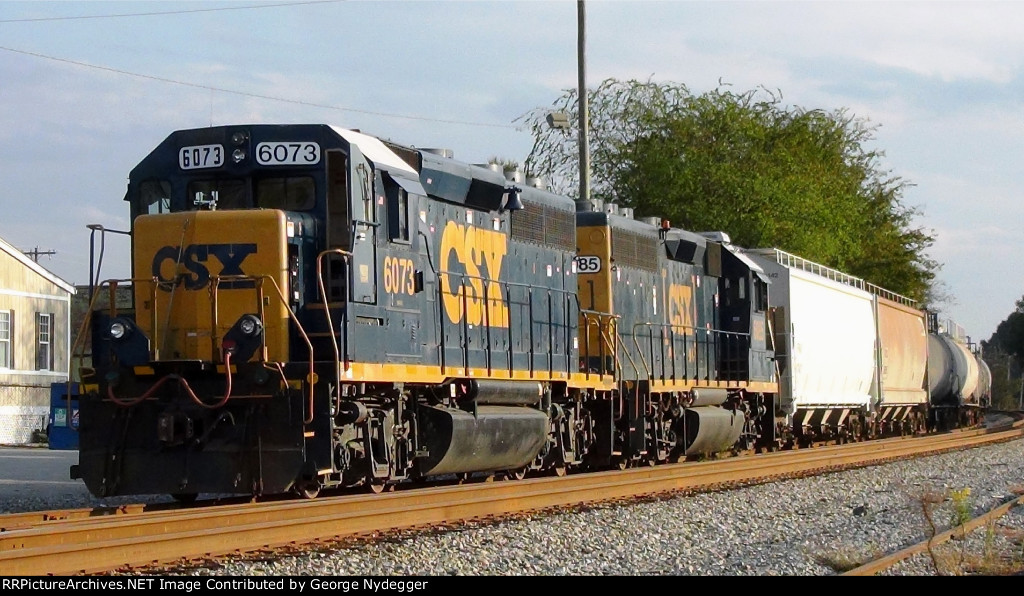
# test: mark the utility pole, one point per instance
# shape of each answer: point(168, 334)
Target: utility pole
point(581, 45)
point(36, 253)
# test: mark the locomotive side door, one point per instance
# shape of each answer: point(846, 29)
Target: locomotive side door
point(339, 225)
point(364, 231)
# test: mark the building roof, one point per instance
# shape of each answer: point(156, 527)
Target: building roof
point(23, 258)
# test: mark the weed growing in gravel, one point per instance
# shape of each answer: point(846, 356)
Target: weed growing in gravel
point(961, 513)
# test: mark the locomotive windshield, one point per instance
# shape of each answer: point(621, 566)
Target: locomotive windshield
point(290, 193)
point(216, 194)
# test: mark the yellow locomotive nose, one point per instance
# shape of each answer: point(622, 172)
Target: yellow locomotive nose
point(203, 272)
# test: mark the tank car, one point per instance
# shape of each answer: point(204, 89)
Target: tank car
point(955, 375)
point(984, 382)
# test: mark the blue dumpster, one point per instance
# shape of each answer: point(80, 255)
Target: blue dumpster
point(63, 425)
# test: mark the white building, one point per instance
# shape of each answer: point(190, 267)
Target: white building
point(35, 332)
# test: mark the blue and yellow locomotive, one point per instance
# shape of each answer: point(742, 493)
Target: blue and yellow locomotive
point(315, 307)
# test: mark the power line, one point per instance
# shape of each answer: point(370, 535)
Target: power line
point(257, 95)
point(150, 14)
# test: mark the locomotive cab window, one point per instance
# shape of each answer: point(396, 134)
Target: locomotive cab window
point(297, 193)
point(760, 294)
point(217, 194)
point(155, 197)
point(733, 291)
point(398, 212)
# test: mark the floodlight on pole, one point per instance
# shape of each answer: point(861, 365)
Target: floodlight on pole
point(558, 120)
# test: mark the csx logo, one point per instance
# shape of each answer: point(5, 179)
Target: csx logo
point(464, 294)
point(197, 259)
point(681, 314)
point(680, 308)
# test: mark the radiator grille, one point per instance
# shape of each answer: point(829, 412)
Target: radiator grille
point(545, 225)
point(635, 250)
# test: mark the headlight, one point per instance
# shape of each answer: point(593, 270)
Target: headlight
point(238, 155)
point(118, 329)
point(249, 325)
point(243, 339)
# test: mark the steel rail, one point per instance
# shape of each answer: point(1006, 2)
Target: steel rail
point(883, 563)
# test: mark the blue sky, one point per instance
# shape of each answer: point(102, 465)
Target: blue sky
point(85, 94)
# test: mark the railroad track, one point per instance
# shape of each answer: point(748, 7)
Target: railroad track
point(961, 532)
point(134, 538)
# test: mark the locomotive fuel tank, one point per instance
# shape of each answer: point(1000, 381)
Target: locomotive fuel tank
point(489, 439)
point(711, 429)
point(494, 432)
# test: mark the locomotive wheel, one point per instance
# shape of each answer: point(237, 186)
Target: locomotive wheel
point(379, 486)
point(308, 489)
point(559, 471)
point(517, 474)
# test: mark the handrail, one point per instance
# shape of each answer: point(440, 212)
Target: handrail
point(714, 339)
point(607, 337)
point(462, 280)
point(345, 255)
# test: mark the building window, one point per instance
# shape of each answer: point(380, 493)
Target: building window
point(6, 359)
point(44, 341)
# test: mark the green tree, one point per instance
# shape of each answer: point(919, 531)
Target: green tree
point(1009, 335)
point(1006, 379)
point(799, 180)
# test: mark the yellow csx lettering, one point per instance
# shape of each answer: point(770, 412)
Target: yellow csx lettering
point(473, 248)
point(680, 308)
point(194, 258)
point(399, 276)
point(681, 314)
